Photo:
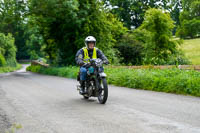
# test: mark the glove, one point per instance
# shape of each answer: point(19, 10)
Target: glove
point(105, 62)
point(86, 65)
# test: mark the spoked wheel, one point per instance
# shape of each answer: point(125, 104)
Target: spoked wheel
point(103, 93)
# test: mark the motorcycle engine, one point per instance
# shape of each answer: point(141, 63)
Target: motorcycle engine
point(91, 88)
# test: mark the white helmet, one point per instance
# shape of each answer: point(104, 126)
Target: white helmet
point(90, 39)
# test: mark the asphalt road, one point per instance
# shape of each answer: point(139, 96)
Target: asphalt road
point(49, 104)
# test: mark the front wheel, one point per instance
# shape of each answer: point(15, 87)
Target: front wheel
point(85, 97)
point(103, 92)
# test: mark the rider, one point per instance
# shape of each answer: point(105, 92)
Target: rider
point(83, 56)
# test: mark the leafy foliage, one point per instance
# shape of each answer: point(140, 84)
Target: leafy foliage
point(131, 49)
point(190, 19)
point(160, 47)
point(56, 29)
point(132, 12)
point(12, 19)
point(65, 24)
point(2, 60)
point(171, 81)
point(168, 80)
point(6, 69)
point(152, 42)
point(8, 49)
point(189, 28)
point(34, 40)
point(175, 10)
point(68, 72)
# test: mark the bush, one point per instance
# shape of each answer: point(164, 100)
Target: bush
point(131, 49)
point(168, 80)
point(189, 20)
point(8, 49)
point(9, 69)
point(2, 61)
point(178, 59)
point(189, 28)
point(159, 46)
point(81, 18)
point(69, 72)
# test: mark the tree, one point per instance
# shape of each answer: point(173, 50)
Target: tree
point(189, 19)
point(175, 10)
point(131, 12)
point(131, 49)
point(8, 49)
point(2, 60)
point(34, 40)
point(12, 19)
point(65, 24)
point(160, 46)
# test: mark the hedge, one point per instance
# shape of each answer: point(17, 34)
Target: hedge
point(168, 80)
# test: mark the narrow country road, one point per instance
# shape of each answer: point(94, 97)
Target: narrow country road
point(49, 104)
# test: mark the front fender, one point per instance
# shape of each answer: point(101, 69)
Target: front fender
point(102, 75)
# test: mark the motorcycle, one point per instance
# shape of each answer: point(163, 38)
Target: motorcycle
point(95, 84)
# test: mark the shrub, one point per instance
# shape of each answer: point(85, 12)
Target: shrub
point(2, 61)
point(189, 28)
point(189, 20)
point(168, 80)
point(9, 69)
point(69, 72)
point(131, 49)
point(159, 47)
point(8, 49)
point(178, 59)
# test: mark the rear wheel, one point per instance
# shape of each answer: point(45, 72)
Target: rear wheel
point(103, 92)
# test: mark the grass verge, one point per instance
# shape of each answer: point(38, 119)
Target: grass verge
point(9, 69)
point(168, 80)
point(68, 72)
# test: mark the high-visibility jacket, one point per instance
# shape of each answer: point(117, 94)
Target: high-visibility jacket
point(86, 56)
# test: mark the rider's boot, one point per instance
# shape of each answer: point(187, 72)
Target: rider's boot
point(82, 89)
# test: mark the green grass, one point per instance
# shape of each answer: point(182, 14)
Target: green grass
point(15, 127)
point(68, 72)
point(9, 69)
point(168, 80)
point(24, 62)
point(192, 50)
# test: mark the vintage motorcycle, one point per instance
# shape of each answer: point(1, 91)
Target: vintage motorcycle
point(95, 84)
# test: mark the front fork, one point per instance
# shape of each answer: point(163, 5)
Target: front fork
point(98, 86)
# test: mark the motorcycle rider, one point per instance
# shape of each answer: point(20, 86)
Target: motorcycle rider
point(82, 59)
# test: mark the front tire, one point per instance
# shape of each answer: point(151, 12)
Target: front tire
point(85, 97)
point(103, 94)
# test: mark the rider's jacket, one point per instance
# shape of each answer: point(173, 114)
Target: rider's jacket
point(83, 55)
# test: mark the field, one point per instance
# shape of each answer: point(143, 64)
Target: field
point(192, 50)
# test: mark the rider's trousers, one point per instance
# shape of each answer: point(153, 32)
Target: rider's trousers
point(83, 73)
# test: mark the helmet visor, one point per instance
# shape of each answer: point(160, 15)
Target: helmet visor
point(90, 42)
